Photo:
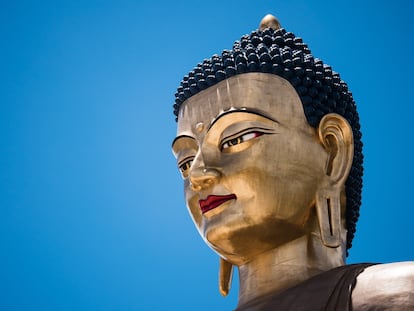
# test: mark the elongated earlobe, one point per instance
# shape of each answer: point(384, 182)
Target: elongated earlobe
point(328, 209)
point(335, 134)
point(225, 276)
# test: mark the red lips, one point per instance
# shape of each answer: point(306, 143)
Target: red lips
point(213, 201)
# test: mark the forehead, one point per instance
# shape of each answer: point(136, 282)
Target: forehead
point(267, 94)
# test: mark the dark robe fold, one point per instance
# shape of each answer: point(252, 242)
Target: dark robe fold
point(328, 291)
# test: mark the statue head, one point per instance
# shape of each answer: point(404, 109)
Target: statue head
point(269, 147)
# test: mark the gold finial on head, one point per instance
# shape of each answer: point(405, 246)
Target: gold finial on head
point(269, 21)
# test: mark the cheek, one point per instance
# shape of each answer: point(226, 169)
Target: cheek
point(289, 201)
point(191, 199)
point(285, 179)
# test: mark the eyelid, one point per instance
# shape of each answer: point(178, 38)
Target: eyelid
point(238, 127)
point(182, 143)
point(245, 131)
point(183, 161)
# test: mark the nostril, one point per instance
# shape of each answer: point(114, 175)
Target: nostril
point(195, 187)
point(203, 178)
point(208, 182)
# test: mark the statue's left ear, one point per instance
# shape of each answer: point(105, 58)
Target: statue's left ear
point(335, 134)
point(225, 276)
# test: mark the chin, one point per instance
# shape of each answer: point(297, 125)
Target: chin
point(240, 242)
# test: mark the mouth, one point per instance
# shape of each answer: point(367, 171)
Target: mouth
point(212, 201)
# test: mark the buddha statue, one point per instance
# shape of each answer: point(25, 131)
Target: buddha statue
point(269, 147)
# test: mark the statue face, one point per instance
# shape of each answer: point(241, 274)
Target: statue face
point(251, 164)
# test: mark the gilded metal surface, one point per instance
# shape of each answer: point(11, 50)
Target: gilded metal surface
point(269, 21)
point(258, 154)
point(266, 190)
point(385, 287)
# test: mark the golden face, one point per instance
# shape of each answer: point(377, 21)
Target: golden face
point(251, 164)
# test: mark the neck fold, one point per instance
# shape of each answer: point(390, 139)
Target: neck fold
point(286, 266)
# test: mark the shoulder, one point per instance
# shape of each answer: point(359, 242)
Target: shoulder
point(385, 287)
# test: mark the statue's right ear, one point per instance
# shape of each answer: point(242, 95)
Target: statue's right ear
point(335, 134)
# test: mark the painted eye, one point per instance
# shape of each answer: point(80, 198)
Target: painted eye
point(185, 166)
point(240, 139)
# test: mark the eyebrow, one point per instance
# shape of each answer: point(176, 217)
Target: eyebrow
point(246, 110)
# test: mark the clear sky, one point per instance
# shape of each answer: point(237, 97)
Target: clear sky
point(92, 215)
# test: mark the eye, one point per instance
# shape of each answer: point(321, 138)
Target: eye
point(239, 139)
point(185, 165)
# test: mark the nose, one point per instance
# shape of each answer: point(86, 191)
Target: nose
point(202, 178)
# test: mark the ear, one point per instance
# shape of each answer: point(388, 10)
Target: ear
point(335, 134)
point(225, 276)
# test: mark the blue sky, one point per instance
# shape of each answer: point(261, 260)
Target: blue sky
point(91, 204)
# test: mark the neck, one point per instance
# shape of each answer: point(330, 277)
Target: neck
point(286, 266)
